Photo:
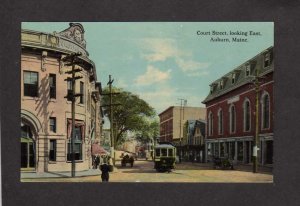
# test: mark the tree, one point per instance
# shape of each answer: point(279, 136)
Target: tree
point(132, 114)
point(149, 132)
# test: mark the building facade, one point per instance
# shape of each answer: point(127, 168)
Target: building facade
point(172, 122)
point(45, 108)
point(231, 111)
point(193, 148)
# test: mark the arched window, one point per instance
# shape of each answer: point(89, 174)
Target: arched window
point(210, 123)
point(265, 110)
point(220, 121)
point(232, 119)
point(247, 115)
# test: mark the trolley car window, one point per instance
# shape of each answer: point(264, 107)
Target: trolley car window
point(170, 152)
point(164, 152)
point(157, 152)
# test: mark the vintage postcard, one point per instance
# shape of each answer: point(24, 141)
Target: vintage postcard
point(147, 102)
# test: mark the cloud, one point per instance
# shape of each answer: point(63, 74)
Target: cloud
point(161, 49)
point(152, 75)
point(121, 83)
point(160, 98)
point(193, 68)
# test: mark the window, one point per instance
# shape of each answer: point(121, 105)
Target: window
point(52, 151)
point(52, 85)
point(247, 70)
point(220, 121)
point(157, 152)
point(265, 111)
point(267, 60)
point(30, 84)
point(82, 93)
point(170, 152)
point(164, 152)
point(210, 123)
point(232, 118)
point(53, 124)
point(233, 78)
point(221, 84)
point(247, 115)
point(70, 91)
point(77, 145)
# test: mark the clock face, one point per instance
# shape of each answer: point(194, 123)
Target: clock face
point(77, 35)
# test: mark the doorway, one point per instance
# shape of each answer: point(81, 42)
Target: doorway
point(27, 149)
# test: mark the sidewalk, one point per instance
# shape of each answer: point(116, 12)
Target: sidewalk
point(90, 172)
point(239, 167)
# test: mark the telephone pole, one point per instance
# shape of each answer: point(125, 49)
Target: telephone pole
point(72, 60)
point(182, 103)
point(256, 138)
point(110, 105)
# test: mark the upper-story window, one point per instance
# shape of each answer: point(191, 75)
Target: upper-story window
point(220, 121)
point(210, 124)
point(233, 77)
point(267, 60)
point(52, 124)
point(30, 84)
point(221, 84)
point(70, 90)
point(52, 85)
point(265, 110)
point(232, 119)
point(82, 93)
point(247, 115)
point(248, 71)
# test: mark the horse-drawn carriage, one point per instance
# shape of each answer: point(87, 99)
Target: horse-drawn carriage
point(126, 159)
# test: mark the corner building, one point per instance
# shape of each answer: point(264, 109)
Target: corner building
point(231, 112)
point(46, 113)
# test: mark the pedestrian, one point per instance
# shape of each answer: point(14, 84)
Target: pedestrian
point(105, 172)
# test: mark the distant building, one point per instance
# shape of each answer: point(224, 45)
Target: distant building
point(46, 113)
point(231, 111)
point(194, 140)
point(172, 122)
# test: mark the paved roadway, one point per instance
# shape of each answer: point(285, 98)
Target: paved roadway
point(143, 171)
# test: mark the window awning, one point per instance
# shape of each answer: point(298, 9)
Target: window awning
point(98, 150)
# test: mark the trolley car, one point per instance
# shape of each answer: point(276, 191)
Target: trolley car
point(164, 157)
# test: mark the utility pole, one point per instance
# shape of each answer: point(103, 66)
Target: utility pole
point(110, 105)
point(256, 138)
point(182, 102)
point(72, 60)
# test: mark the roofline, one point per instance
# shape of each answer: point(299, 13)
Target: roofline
point(264, 51)
point(179, 106)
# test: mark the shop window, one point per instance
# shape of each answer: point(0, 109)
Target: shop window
point(30, 84)
point(52, 151)
point(52, 85)
point(240, 151)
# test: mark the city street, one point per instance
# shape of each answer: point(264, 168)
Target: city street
point(143, 171)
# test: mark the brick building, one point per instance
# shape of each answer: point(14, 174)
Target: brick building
point(231, 111)
point(172, 121)
point(45, 112)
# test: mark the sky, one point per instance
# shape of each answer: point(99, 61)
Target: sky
point(163, 62)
